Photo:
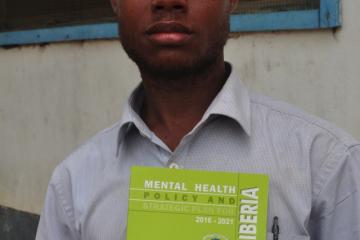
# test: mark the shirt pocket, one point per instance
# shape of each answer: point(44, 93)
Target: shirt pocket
point(269, 236)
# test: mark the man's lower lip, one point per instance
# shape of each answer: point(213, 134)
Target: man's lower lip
point(170, 38)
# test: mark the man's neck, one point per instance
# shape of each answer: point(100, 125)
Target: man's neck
point(173, 108)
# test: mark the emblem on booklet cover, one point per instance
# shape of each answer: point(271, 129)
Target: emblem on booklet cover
point(214, 237)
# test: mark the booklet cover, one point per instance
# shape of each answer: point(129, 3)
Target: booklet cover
point(177, 204)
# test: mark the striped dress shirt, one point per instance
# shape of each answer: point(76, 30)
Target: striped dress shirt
point(314, 168)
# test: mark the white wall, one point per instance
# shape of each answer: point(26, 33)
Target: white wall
point(54, 97)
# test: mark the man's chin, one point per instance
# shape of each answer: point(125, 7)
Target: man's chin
point(171, 64)
point(172, 69)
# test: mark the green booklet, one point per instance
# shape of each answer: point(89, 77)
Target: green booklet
point(177, 204)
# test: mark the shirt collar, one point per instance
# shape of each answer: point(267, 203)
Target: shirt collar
point(232, 101)
point(131, 115)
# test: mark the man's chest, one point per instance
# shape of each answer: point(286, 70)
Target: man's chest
point(215, 148)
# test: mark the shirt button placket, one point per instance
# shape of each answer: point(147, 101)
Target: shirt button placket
point(174, 165)
point(172, 161)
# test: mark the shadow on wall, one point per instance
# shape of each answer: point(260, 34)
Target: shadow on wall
point(17, 225)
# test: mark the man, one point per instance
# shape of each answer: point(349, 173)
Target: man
point(191, 111)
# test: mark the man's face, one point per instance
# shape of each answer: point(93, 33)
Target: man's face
point(173, 37)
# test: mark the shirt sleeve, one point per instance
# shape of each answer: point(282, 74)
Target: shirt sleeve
point(336, 211)
point(57, 219)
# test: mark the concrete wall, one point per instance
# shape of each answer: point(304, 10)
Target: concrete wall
point(54, 97)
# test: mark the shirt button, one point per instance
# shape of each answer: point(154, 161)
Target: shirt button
point(174, 165)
